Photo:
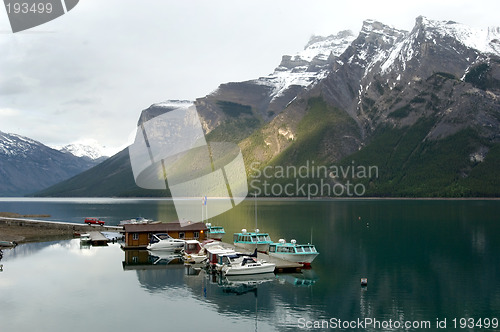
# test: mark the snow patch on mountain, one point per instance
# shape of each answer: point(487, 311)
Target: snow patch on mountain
point(486, 41)
point(322, 48)
point(85, 148)
point(174, 104)
point(16, 145)
point(483, 40)
point(308, 66)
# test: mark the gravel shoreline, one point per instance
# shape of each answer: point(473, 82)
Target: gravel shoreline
point(25, 234)
point(14, 227)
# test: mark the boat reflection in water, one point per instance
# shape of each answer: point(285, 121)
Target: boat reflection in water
point(191, 269)
point(160, 257)
point(164, 271)
point(306, 278)
point(146, 259)
point(241, 284)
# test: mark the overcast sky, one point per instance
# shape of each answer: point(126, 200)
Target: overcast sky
point(89, 74)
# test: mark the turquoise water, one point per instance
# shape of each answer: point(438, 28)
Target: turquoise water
point(425, 261)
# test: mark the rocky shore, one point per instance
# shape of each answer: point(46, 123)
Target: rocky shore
point(16, 227)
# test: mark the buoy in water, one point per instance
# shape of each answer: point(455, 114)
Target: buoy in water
point(364, 281)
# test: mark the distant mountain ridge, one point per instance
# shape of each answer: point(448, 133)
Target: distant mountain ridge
point(423, 105)
point(27, 165)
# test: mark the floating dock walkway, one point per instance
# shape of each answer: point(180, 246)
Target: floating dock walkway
point(97, 239)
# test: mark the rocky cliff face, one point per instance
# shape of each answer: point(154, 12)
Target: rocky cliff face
point(390, 77)
point(269, 95)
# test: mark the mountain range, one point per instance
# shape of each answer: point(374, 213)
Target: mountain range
point(27, 165)
point(422, 106)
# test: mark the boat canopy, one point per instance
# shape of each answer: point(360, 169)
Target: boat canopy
point(292, 248)
point(252, 237)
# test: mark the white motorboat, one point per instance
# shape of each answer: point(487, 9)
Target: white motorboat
point(238, 264)
point(193, 252)
point(137, 220)
point(293, 252)
point(215, 251)
point(165, 242)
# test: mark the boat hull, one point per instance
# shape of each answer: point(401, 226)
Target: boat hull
point(238, 271)
point(194, 258)
point(261, 247)
point(295, 258)
point(215, 236)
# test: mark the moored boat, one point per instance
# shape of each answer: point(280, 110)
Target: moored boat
point(252, 240)
point(138, 220)
point(215, 251)
point(193, 252)
point(237, 264)
point(164, 242)
point(8, 244)
point(215, 232)
point(293, 252)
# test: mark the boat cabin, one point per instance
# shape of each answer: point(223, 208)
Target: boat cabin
point(289, 248)
point(192, 247)
point(226, 259)
point(215, 252)
point(251, 238)
point(217, 229)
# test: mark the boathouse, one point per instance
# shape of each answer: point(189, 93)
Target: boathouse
point(138, 235)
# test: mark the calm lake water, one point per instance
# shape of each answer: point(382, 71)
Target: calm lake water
point(425, 260)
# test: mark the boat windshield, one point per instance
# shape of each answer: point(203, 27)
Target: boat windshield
point(285, 249)
point(263, 237)
point(163, 236)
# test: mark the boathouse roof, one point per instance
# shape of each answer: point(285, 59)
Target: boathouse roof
point(175, 226)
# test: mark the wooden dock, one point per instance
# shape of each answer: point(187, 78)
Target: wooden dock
point(97, 239)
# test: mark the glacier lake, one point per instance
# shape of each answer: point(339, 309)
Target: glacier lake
point(430, 262)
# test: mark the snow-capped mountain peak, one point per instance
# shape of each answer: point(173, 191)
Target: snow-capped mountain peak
point(484, 40)
point(88, 148)
point(308, 66)
point(322, 48)
point(455, 37)
point(15, 145)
